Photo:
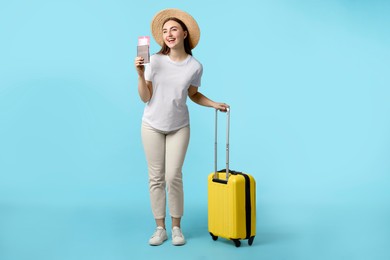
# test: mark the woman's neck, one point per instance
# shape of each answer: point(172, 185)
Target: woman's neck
point(177, 55)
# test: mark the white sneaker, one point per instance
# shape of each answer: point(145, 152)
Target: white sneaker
point(158, 237)
point(177, 237)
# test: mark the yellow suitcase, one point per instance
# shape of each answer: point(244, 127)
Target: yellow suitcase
point(231, 200)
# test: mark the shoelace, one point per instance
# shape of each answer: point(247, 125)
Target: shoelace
point(157, 233)
point(177, 232)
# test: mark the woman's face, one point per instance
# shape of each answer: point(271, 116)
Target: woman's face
point(174, 35)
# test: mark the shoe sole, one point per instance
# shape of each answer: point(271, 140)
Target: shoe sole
point(178, 244)
point(159, 243)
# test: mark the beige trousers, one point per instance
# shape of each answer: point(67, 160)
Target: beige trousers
point(165, 153)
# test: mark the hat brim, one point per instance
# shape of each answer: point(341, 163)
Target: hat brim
point(187, 19)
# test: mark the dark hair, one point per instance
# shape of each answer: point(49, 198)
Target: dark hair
point(187, 46)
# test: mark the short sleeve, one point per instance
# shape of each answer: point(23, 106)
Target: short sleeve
point(196, 79)
point(148, 72)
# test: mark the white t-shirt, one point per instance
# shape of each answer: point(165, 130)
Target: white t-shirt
point(167, 109)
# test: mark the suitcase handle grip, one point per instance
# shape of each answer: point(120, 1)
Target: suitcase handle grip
point(227, 143)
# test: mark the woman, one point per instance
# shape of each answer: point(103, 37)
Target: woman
point(164, 84)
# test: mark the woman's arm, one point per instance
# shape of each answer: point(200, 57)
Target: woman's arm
point(202, 100)
point(145, 88)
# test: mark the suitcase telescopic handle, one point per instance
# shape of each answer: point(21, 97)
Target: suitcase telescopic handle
point(227, 143)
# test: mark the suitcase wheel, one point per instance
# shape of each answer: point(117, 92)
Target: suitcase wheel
point(250, 241)
point(214, 237)
point(237, 242)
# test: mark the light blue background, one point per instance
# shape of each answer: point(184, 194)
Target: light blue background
point(309, 86)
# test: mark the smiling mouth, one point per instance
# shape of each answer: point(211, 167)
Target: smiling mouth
point(170, 40)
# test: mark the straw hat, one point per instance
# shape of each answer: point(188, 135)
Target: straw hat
point(187, 19)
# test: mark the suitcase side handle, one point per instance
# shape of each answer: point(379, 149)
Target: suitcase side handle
point(216, 144)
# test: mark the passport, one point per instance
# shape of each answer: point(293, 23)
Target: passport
point(143, 48)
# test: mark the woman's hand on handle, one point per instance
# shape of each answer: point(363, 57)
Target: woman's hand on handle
point(223, 107)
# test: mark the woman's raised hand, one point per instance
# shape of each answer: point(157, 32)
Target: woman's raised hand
point(139, 65)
